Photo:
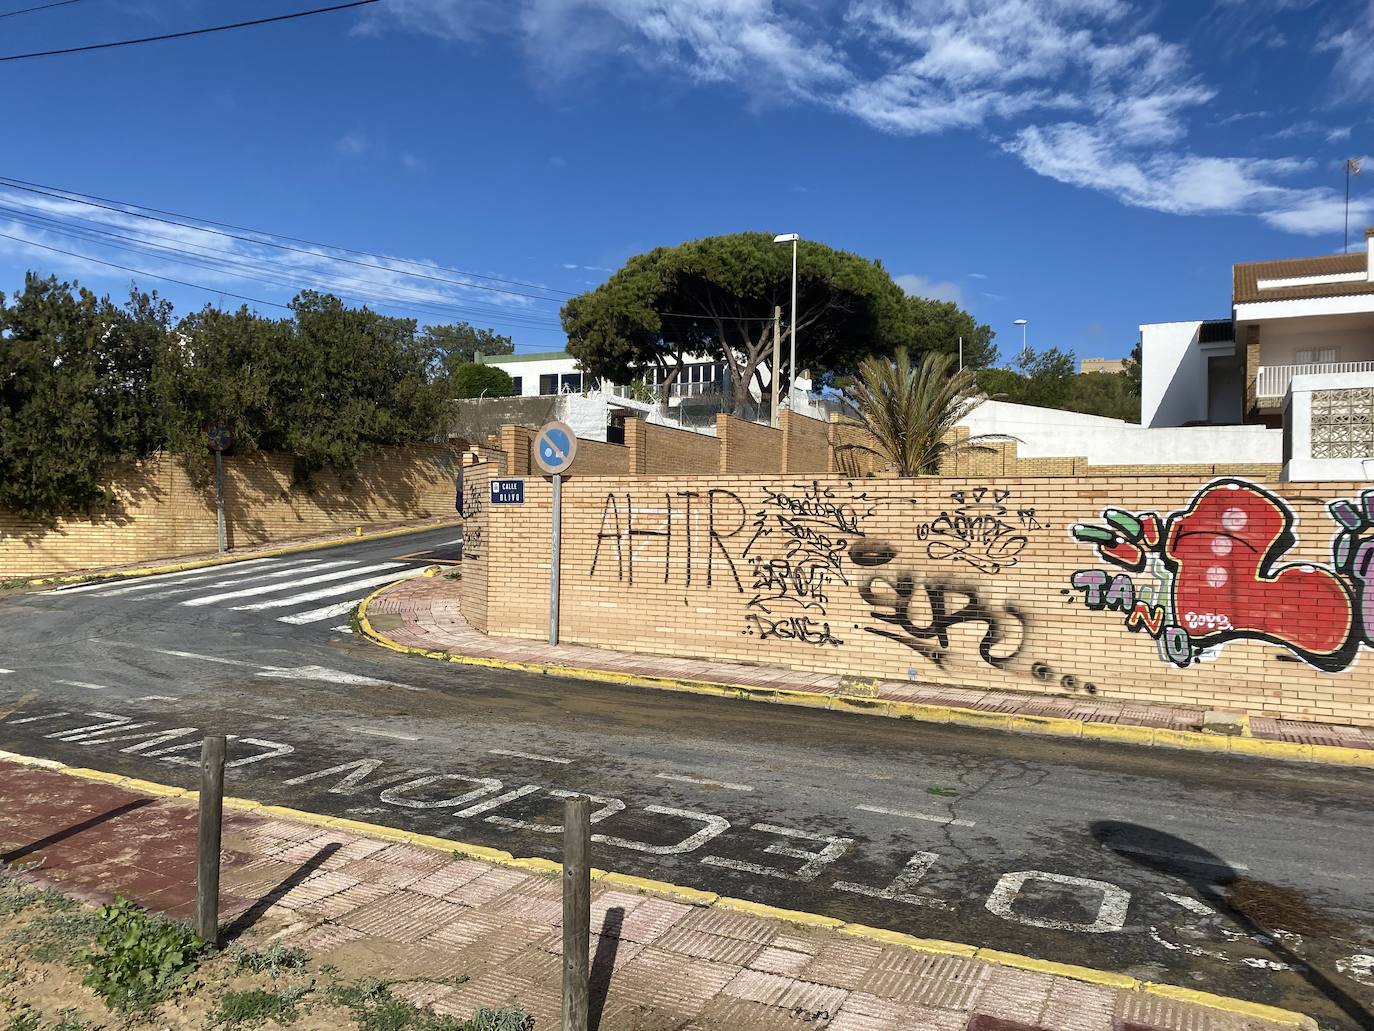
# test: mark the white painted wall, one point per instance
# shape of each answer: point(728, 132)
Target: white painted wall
point(1048, 433)
point(1300, 466)
point(1351, 335)
point(530, 371)
point(1173, 387)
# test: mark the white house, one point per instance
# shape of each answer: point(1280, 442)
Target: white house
point(1292, 318)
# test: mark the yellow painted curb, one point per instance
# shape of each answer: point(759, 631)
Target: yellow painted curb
point(710, 899)
point(242, 804)
point(1269, 749)
point(908, 941)
point(791, 916)
point(1044, 966)
point(221, 560)
point(1336, 755)
point(1230, 1005)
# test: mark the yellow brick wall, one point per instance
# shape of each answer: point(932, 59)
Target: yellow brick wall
point(805, 444)
point(937, 580)
point(747, 447)
point(664, 451)
point(160, 513)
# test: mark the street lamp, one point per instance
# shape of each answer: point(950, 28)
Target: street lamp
point(1022, 324)
point(791, 238)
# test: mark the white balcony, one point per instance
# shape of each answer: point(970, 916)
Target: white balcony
point(1272, 381)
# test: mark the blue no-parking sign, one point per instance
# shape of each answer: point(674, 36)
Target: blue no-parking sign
point(555, 447)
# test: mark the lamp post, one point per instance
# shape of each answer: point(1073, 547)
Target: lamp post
point(791, 238)
point(1022, 324)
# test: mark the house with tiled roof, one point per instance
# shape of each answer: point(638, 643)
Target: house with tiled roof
point(1300, 334)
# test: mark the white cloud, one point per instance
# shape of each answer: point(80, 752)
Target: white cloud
point(1054, 81)
point(353, 144)
point(977, 275)
point(923, 286)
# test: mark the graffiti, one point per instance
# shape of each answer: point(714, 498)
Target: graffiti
point(474, 504)
point(924, 614)
point(675, 528)
point(980, 531)
point(791, 628)
point(814, 528)
point(1214, 573)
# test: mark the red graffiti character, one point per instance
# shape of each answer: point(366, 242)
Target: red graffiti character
point(1224, 551)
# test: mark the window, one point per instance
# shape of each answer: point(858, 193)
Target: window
point(548, 383)
point(1318, 356)
point(519, 385)
point(571, 381)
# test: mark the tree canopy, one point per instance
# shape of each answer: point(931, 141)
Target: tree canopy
point(459, 344)
point(1047, 379)
point(473, 380)
point(85, 382)
point(716, 296)
point(937, 327)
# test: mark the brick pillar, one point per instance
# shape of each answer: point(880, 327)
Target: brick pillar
point(637, 443)
point(516, 442)
point(723, 441)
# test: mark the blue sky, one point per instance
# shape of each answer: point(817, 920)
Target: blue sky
point(1085, 164)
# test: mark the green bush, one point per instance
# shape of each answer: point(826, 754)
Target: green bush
point(473, 380)
point(141, 959)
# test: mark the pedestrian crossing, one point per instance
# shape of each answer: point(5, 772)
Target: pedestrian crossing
point(289, 589)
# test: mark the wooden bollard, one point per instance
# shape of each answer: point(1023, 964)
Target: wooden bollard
point(208, 838)
point(577, 911)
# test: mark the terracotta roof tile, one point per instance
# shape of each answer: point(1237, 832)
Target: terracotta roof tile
point(1247, 275)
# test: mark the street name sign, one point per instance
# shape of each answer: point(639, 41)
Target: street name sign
point(507, 492)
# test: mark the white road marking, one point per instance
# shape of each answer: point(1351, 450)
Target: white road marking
point(112, 581)
point(1111, 912)
point(1181, 857)
point(296, 569)
point(207, 658)
point(607, 807)
point(810, 869)
point(529, 755)
point(340, 629)
point(35, 719)
point(329, 676)
point(326, 592)
point(908, 814)
point(154, 698)
point(1190, 904)
point(248, 592)
point(682, 778)
point(152, 583)
point(328, 612)
point(385, 733)
point(4, 671)
point(903, 887)
point(82, 683)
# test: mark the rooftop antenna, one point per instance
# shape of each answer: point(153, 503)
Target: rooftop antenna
point(1352, 167)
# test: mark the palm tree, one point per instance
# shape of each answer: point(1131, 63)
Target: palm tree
point(910, 411)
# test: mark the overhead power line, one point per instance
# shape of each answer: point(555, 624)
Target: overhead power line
point(265, 239)
point(40, 7)
point(141, 272)
point(183, 35)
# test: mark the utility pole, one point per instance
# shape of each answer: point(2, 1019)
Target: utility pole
point(1352, 167)
point(776, 377)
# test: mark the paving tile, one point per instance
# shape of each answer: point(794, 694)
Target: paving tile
point(732, 925)
point(373, 871)
point(1014, 995)
point(1075, 1006)
point(739, 1014)
point(663, 979)
point(691, 942)
point(653, 918)
point(1138, 1010)
point(485, 887)
point(780, 961)
point(844, 963)
point(786, 992)
point(947, 982)
point(403, 917)
point(422, 994)
point(412, 857)
point(313, 889)
point(449, 878)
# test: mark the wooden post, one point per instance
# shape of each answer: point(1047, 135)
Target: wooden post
point(208, 837)
point(577, 911)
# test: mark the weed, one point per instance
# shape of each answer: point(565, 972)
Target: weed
point(143, 959)
point(505, 1019)
point(274, 960)
point(16, 897)
point(26, 1020)
point(944, 792)
point(69, 1021)
point(256, 1006)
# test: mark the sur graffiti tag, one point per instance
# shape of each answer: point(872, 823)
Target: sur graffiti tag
point(1213, 573)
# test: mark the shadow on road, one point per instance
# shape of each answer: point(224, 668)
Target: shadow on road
point(1243, 900)
point(603, 965)
point(250, 916)
point(17, 854)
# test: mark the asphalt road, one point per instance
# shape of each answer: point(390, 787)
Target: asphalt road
point(1229, 875)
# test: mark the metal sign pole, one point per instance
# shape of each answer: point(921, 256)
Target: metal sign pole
point(555, 543)
point(219, 499)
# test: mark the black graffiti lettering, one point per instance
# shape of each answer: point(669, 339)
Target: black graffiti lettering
point(717, 539)
point(792, 628)
point(979, 531)
point(932, 640)
point(610, 509)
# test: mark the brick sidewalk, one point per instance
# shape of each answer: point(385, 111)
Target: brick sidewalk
point(424, 614)
point(395, 910)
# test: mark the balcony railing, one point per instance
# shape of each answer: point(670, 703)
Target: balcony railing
point(1273, 380)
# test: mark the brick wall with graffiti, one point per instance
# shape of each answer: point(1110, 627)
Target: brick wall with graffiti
point(1221, 593)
